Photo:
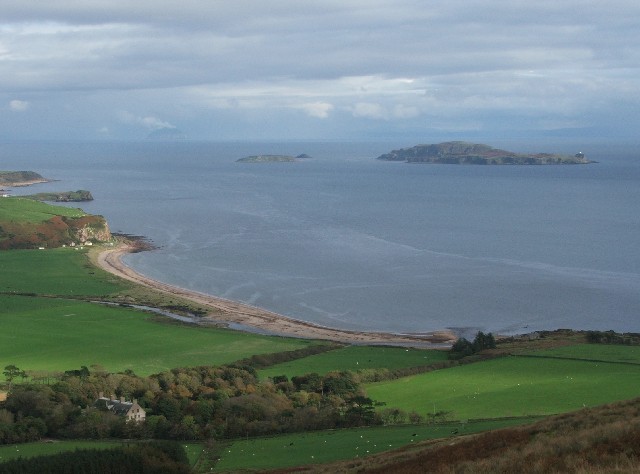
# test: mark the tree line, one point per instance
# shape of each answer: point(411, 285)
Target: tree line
point(184, 403)
point(463, 347)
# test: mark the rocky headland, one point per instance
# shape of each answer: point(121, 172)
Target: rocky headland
point(465, 153)
point(20, 178)
point(54, 232)
point(65, 196)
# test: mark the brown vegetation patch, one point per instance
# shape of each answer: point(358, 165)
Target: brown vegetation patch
point(594, 440)
point(539, 341)
point(52, 233)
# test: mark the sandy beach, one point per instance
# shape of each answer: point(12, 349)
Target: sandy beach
point(229, 312)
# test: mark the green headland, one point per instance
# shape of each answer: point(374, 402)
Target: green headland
point(80, 195)
point(26, 224)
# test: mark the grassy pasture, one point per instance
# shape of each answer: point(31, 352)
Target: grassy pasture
point(513, 386)
point(356, 358)
point(604, 352)
point(24, 210)
point(54, 334)
point(194, 451)
point(327, 446)
point(62, 271)
point(30, 450)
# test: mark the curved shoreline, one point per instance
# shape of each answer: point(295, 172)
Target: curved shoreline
point(233, 312)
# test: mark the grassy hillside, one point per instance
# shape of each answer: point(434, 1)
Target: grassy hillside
point(595, 440)
point(286, 451)
point(28, 224)
point(601, 440)
point(25, 211)
point(511, 386)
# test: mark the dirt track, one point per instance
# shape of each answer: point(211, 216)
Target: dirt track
point(228, 311)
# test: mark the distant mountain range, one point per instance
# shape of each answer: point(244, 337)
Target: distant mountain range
point(167, 134)
point(464, 153)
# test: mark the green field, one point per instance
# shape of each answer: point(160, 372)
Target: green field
point(62, 271)
point(194, 451)
point(356, 358)
point(513, 386)
point(29, 450)
point(29, 211)
point(604, 352)
point(56, 334)
point(65, 334)
point(327, 446)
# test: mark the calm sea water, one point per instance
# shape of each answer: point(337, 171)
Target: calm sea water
point(347, 241)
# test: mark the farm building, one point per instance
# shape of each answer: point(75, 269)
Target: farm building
point(131, 410)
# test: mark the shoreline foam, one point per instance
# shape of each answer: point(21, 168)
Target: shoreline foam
point(233, 312)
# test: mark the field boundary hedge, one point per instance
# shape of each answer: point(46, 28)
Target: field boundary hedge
point(580, 359)
point(262, 361)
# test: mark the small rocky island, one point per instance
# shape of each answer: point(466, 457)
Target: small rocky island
point(20, 178)
point(272, 158)
point(464, 153)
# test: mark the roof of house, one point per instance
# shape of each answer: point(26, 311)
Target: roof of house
point(116, 406)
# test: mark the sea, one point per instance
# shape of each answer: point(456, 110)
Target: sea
point(344, 240)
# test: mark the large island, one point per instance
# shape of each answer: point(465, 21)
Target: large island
point(465, 153)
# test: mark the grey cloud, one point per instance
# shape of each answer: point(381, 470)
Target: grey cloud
point(194, 59)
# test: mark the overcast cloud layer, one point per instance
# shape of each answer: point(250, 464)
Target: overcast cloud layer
point(345, 69)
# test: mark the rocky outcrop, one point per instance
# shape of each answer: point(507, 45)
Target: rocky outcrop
point(90, 229)
point(477, 154)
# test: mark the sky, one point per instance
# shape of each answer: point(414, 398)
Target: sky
point(320, 70)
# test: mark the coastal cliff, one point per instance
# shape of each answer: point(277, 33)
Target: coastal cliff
point(465, 153)
point(26, 224)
